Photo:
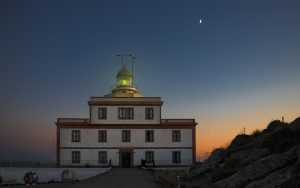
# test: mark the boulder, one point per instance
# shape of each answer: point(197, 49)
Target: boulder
point(250, 155)
point(276, 124)
point(241, 142)
point(295, 125)
point(216, 158)
point(279, 140)
point(259, 169)
point(272, 180)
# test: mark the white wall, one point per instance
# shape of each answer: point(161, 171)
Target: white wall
point(89, 145)
point(112, 115)
point(161, 156)
point(88, 156)
point(89, 138)
point(164, 156)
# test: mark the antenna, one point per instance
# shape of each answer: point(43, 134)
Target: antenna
point(132, 58)
point(122, 57)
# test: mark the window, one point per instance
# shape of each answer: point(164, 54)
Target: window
point(102, 136)
point(149, 135)
point(149, 113)
point(102, 157)
point(75, 156)
point(149, 156)
point(126, 136)
point(176, 136)
point(75, 136)
point(125, 113)
point(102, 113)
point(176, 157)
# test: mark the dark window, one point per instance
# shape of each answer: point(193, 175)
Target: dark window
point(102, 136)
point(102, 156)
point(126, 136)
point(149, 113)
point(75, 156)
point(149, 136)
point(76, 136)
point(176, 157)
point(102, 113)
point(125, 113)
point(149, 156)
point(176, 136)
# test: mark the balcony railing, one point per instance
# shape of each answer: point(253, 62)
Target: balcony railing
point(177, 121)
point(73, 120)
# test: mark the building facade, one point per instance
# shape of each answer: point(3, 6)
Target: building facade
point(125, 129)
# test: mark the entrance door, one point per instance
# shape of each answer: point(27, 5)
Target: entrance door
point(126, 158)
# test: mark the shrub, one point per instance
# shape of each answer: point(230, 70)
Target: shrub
point(256, 132)
point(239, 142)
point(275, 124)
point(281, 140)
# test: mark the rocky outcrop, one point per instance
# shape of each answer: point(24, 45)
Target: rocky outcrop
point(272, 180)
point(295, 125)
point(294, 178)
point(241, 142)
point(250, 155)
point(259, 169)
point(267, 158)
point(217, 157)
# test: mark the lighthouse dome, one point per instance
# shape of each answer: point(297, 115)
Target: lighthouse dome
point(124, 72)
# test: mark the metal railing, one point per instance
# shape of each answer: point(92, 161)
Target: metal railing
point(53, 164)
point(73, 120)
point(95, 163)
point(35, 164)
point(167, 163)
point(177, 120)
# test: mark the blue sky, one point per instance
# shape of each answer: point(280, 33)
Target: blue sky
point(239, 67)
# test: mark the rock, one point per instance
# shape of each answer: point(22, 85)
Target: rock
point(293, 182)
point(241, 142)
point(296, 169)
point(294, 179)
point(250, 155)
point(295, 125)
point(276, 124)
point(279, 140)
point(217, 157)
point(259, 169)
point(272, 180)
point(258, 153)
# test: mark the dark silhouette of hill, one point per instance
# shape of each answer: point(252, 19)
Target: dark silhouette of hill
point(266, 158)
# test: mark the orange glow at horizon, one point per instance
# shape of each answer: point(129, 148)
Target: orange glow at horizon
point(208, 139)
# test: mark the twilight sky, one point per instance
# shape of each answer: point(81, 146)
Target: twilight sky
point(238, 68)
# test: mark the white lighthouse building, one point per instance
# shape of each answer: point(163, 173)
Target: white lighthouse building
point(125, 129)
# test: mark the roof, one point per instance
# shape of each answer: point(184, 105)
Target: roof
point(136, 101)
point(124, 72)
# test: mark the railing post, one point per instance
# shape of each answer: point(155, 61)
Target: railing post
point(178, 182)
